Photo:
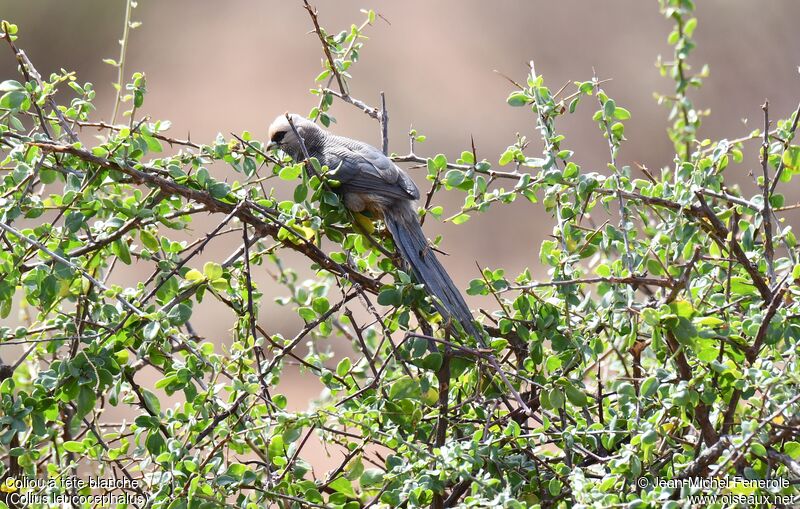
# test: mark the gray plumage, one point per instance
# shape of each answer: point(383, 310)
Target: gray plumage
point(370, 181)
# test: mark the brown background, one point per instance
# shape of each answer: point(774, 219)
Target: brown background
point(221, 67)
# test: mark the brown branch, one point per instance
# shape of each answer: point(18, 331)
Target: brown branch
point(457, 492)
point(708, 220)
point(777, 299)
point(245, 213)
point(744, 444)
point(628, 280)
point(701, 413)
point(704, 459)
point(167, 139)
point(325, 47)
point(443, 375)
point(718, 228)
point(683, 282)
point(414, 158)
point(30, 73)
point(369, 110)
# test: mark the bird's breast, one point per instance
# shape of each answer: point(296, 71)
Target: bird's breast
point(365, 202)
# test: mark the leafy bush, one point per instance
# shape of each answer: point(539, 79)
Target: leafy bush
point(663, 347)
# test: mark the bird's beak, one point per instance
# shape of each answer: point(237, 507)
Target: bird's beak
point(271, 146)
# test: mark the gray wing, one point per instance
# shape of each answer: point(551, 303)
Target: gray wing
point(362, 168)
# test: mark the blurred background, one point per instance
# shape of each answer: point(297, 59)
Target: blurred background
point(222, 67)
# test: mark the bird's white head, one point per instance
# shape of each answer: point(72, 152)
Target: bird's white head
point(281, 135)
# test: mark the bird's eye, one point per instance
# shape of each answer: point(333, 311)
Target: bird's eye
point(278, 136)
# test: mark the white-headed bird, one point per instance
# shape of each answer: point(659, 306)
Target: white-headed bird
point(370, 181)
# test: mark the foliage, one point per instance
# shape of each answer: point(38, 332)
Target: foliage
point(662, 347)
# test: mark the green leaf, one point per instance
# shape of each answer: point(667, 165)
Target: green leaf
point(74, 222)
point(758, 449)
point(152, 143)
point(575, 396)
point(404, 388)
point(556, 398)
point(518, 99)
point(603, 270)
point(477, 287)
point(684, 331)
point(151, 401)
point(454, 178)
point(290, 172)
point(212, 270)
point(791, 158)
point(300, 193)
point(13, 100)
point(120, 248)
point(47, 176)
point(155, 443)
point(460, 218)
point(507, 157)
point(149, 240)
point(219, 190)
point(343, 367)
point(792, 449)
point(11, 86)
point(179, 314)
point(706, 350)
point(609, 108)
point(344, 486)
point(390, 296)
point(649, 387)
point(276, 447)
point(194, 275)
point(151, 330)
point(320, 305)
point(440, 162)
point(621, 113)
point(371, 477)
point(86, 401)
point(689, 26)
point(432, 361)
point(307, 314)
point(74, 446)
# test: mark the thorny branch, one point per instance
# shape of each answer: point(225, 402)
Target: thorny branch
point(442, 425)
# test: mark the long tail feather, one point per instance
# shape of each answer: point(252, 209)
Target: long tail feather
point(413, 246)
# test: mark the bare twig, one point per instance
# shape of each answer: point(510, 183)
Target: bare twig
point(766, 213)
point(369, 110)
point(384, 120)
point(30, 74)
point(628, 280)
point(786, 142)
point(326, 48)
point(123, 43)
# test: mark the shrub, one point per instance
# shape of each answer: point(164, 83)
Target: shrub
point(661, 349)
